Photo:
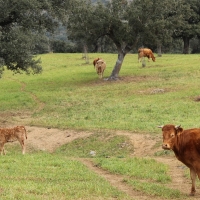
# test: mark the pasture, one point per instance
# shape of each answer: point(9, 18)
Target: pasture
point(68, 95)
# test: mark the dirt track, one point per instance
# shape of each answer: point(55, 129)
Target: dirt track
point(49, 139)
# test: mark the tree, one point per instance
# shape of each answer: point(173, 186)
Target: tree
point(187, 21)
point(22, 24)
point(90, 23)
point(124, 22)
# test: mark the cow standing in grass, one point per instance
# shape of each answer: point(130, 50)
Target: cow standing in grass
point(11, 135)
point(100, 67)
point(145, 52)
point(186, 146)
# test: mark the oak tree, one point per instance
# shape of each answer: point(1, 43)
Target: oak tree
point(22, 25)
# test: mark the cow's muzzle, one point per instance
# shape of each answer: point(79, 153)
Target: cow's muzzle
point(166, 146)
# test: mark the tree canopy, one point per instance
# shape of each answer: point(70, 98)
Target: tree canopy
point(126, 23)
point(123, 24)
point(22, 24)
point(187, 21)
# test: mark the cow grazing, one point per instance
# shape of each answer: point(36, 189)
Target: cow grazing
point(186, 146)
point(11, 135)
point(145, 52)
point(100, 67)
point(95, 61)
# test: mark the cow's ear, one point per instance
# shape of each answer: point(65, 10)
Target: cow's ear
point(177, 127)
point(179, 130)
point(160, 126)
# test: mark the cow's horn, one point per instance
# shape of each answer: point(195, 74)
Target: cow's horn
point(178, 126)
point(160, 126)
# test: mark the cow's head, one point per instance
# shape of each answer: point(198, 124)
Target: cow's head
point(154, 59)
point(95, 61)
point(170, 132)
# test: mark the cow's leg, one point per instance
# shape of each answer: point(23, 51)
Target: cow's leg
point(4, 153)
point(2, 149)
point(22, 145)
point(102, 72)
point(193, 178)
point(100, 75)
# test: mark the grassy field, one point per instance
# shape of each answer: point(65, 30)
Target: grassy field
point(73, 97)
point(69, 95)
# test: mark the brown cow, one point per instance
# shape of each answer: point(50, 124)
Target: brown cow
point(11, 135)
point(95, 61)
point(186, 146)
point(145, 52)
point(100, 67)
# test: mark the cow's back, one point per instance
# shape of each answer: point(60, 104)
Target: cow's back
point(7, 134)
point(147, 52)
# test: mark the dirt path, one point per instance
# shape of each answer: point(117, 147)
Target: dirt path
point(45, 139)
point(117, 181)
point(48, 139)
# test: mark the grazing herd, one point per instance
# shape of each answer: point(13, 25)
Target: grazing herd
point(184, 143)
point(100, 64)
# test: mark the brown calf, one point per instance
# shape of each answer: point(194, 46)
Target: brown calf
point(11, 135)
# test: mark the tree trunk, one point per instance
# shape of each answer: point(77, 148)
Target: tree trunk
point(159, 50)
point(186, 41)
point(115, 73)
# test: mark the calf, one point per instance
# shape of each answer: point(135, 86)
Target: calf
point(186, 146)
point(11, 135)
point(100, 67)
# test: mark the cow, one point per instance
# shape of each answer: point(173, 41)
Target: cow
point(100, 67)
point(95, 61)
point(186, 146)
point(145, 52)
point(11, 135)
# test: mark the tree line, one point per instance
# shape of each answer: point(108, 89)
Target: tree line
point(121, 26)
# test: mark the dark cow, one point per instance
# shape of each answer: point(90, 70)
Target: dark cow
point(11, 135)
point(145, 52)
point(100, 67)
point(186, 146)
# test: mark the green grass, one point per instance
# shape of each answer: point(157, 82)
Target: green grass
point(113, 155)
point(104, 144)
point(143, 174)
point(74, 97)
point(154, 189)
point(69, 95)
point(138, 168)
point(46, 176)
